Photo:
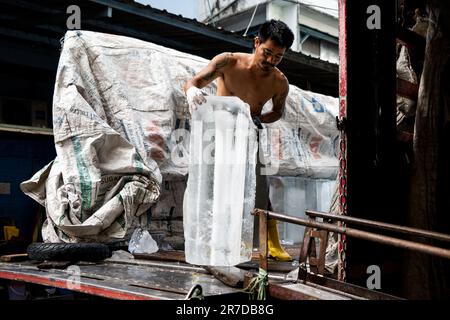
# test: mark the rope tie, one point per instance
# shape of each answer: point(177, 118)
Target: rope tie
point(257, 286)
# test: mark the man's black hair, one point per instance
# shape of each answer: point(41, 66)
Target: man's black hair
point(278, 31)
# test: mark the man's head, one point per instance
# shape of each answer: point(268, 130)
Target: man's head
point(273, 39)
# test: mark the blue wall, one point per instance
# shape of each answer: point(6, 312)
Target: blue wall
point(22, 155)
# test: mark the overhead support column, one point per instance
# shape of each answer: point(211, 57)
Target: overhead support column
point(368, 101)
point(288, 13)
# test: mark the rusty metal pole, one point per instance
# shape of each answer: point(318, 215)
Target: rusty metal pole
point(263, 251)
point(395, 242)
point(381, 225)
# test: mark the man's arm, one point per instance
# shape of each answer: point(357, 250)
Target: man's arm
point(214, 69)
point(278, 102)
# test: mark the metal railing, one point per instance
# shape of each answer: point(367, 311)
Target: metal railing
point(352, 232)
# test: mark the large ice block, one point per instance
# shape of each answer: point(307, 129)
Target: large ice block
point(295, 195)
point(220, 193)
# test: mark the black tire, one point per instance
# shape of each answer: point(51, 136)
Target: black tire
point(68, 251)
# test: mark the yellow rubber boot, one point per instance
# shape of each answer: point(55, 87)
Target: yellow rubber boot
point(275, 250)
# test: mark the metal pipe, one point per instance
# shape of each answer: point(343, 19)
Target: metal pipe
point(395, 242)
point(263, 250)
point(251, 20)
point(381, 225)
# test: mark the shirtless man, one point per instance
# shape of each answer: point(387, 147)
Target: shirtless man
point(255, 79)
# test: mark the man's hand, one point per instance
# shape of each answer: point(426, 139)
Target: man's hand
point(195, 98)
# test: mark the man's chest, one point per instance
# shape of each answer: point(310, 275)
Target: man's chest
point(255, 92)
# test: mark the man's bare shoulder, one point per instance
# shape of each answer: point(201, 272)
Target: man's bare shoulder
point(241, 55)
point(225, 58)
point(230, 61)
point(280, 79)
point(238, 58)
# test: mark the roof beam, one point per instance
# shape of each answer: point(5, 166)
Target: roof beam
point(165, 18)
point(22, 55)
point(30, 37)
point(318, 34)
point(26, 5)
point(309, 61)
